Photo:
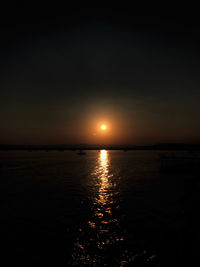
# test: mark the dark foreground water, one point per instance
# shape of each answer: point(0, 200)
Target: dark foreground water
point(105, 208)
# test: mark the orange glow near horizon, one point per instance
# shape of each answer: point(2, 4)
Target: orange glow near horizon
point(103, 127)
point(104, 130)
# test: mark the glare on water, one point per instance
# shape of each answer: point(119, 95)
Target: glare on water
point(104, 184)
point(98, 241)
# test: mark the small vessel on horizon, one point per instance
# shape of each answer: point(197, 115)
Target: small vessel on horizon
point(81, 152)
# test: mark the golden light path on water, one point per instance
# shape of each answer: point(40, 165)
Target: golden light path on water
point(99, 240)
point(104, 196)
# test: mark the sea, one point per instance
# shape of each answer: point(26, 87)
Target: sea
point(103, 208)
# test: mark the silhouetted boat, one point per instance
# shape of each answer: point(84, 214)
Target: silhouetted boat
point(81, 152)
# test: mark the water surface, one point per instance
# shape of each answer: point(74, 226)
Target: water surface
point(105, 208)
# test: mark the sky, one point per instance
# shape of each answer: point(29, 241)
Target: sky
point(62, 77)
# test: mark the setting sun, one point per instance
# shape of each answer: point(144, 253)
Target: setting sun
point(103, 127)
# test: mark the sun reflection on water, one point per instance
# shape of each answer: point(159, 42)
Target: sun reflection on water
point(99, 240)
point(102, 172)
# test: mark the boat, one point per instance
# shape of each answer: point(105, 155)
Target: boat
point(81, 152)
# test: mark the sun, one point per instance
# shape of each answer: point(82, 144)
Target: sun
point(103, 127)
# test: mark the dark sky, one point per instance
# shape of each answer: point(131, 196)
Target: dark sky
point(61, 77)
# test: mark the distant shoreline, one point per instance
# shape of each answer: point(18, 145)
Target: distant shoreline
point(187, 147)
